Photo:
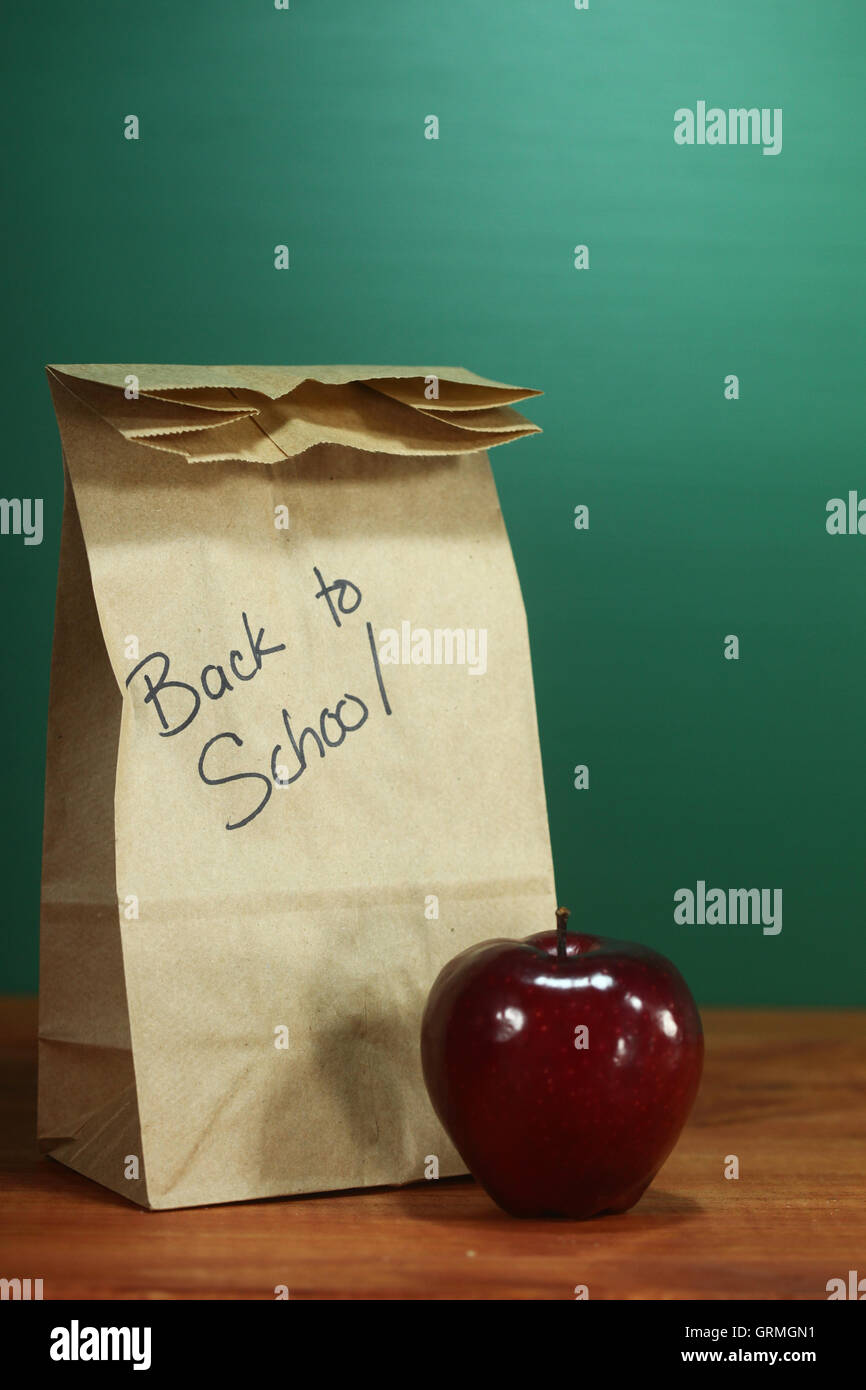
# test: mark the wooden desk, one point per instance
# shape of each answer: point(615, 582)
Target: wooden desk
point(784, 1091)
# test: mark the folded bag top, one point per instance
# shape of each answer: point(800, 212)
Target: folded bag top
point(292, 769)
point(266, 414)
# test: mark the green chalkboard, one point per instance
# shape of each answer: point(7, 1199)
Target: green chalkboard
point(702, 359)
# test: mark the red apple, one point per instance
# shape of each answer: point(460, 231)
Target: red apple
point(563, 1068)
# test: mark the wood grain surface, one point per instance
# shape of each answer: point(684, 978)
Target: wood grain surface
point(783, 1091)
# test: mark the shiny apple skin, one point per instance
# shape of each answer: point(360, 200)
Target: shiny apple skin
point(546, 1128)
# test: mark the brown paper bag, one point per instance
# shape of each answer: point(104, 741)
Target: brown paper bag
point(293, 768)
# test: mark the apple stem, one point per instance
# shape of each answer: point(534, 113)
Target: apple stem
point(562, 916)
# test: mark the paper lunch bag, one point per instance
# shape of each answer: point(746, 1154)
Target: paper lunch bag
point(292, 769)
